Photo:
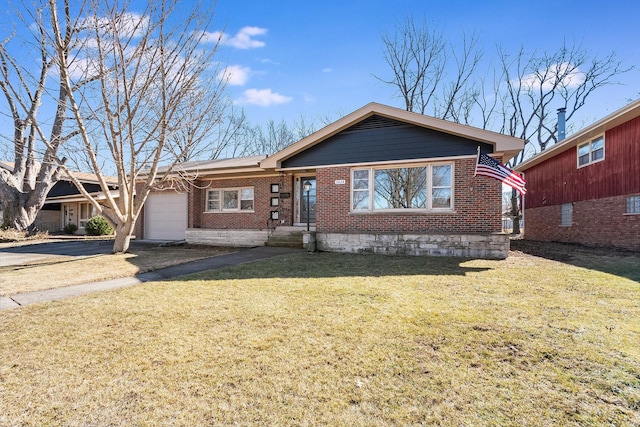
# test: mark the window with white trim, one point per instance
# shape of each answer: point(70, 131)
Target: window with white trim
point(633, 205)
point(425, 187)
point(591, 152)
point(86, 212)
point(230, 200)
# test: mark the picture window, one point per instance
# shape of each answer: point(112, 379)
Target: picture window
point(423, 187)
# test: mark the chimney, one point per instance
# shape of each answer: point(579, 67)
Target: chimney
point(561, 123)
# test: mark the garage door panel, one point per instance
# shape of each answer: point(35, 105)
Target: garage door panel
point(165, 216)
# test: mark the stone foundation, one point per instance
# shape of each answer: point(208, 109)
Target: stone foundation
point(489, 246)
point(233, 238)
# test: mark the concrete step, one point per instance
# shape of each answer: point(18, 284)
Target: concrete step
point(291, 238)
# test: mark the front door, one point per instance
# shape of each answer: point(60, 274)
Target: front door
point(66, 215)
point(306, 211)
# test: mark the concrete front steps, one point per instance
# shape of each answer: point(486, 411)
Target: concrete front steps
point(289, 237)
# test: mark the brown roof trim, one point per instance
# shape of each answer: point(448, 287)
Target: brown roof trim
point(506, 145)
point(216, 167)
point(623, 115)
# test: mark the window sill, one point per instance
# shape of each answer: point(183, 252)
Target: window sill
point(590, 163)
point(405, 212)
point(227, 212)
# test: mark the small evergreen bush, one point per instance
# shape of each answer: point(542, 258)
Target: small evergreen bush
point(70, 228)
point(98, 226)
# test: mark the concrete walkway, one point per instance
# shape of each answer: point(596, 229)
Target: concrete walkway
point(220, 261)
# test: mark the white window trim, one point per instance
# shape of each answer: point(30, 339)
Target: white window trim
point(428, 209)
point(221, 191)
point(591, 162)
point(81, 219)
point(626, 211)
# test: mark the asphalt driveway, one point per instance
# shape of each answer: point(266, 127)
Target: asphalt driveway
point(21, 255)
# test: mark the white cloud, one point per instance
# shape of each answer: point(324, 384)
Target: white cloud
point(263, 98)
point(268, 61)
point(236, 75)
point(129, 23)
point(564, 74)
point(244, 39)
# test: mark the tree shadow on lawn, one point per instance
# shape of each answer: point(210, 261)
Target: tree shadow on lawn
point(616, 261)
point(300, 264)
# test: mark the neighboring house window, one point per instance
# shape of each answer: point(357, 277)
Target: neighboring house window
point(86, 212)
point(230, 200)
point(566, 215)
point(213, 200)
point(591, 152)
point(419, 188)
point(633, 205)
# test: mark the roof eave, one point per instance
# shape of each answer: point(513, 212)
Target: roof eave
point(623, 115)
point(508, 145)
point(80, 198)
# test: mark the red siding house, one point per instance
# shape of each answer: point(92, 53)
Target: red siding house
point(380, 180)
point(586, 188)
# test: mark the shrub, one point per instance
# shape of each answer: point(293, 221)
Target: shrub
point(70, 228)
point(98, 226)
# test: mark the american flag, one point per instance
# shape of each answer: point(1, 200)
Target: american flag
point(488, 166)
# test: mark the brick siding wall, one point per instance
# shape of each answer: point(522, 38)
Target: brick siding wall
point(48, 221)
point(477, 201)
point(599, 222)
point(256, 220)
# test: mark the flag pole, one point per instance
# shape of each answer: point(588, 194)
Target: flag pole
point(522, 202)
point(475, 170)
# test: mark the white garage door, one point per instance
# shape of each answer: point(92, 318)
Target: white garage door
point(165, 216)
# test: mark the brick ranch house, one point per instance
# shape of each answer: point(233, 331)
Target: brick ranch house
point(381, 180)
point(586, 188)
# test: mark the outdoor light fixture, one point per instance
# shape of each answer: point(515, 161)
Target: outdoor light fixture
point(307, 188)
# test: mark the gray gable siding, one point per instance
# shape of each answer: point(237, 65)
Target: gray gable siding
point(378, 139)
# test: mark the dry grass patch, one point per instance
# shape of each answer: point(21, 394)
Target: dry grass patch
point(59, 271)
point(330, 339)
point(10, 235)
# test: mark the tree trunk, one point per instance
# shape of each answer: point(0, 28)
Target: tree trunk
point(515, 212)
point(18, 216)
point(123, 236)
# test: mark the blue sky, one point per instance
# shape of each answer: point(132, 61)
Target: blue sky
point(317, 59)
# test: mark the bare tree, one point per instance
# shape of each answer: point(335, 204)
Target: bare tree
point(417, 59)
point(520, 99)
point(273, 136)
point(420, 62)
point(232, 135)
point(537, 85)
point(34, 143)
point(152, 101)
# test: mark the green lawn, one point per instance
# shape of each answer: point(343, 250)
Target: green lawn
point(334, 339)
